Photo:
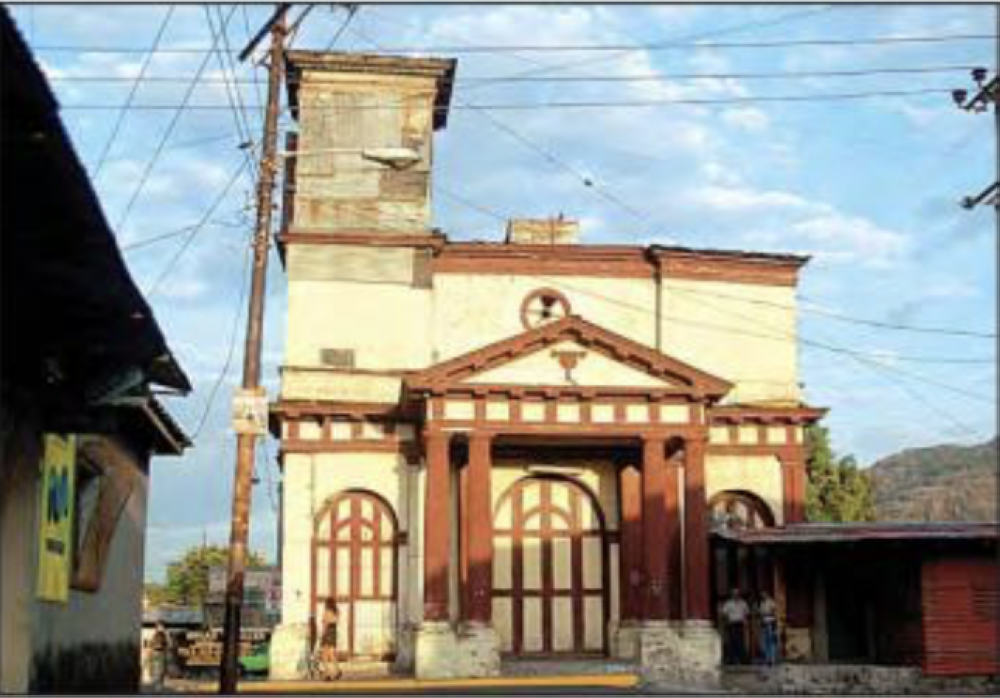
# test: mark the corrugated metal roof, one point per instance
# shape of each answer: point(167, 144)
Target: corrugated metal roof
point(851, 532)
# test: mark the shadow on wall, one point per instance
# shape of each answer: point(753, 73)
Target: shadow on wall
point(91, 667)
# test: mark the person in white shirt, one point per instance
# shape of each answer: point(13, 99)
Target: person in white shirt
point(735, 612)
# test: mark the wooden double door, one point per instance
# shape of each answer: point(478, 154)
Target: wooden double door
point(550, 570)
point(354, 562)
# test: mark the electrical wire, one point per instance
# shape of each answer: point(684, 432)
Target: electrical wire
point(781, 336)
point(136, 82)
point(582, 48)
point(668, 46)
point(352, 10)
point(232, 92)
point(163, 140)
point(818, 310)
point(198, 227)
point(650, 77)
point(472, 205)
point(231, 351)
point(595, 104)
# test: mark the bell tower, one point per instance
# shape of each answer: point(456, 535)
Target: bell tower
point(363, 153)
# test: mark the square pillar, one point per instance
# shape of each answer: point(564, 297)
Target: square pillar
point(673, 542)
point(480, 528)
point(631, 551)
point(630, 563)
point(793, 473)
point(655, 532)
point(437, 526)
point(696, 556)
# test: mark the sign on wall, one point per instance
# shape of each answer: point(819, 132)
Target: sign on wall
point(55, 542)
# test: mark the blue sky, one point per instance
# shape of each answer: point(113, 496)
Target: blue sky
point(868, 186)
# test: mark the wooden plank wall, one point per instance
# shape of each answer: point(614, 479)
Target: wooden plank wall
point(960, 616)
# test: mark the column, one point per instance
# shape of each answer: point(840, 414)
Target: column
point(793, 474)
point(654, 527)
point(631, 551)
point(695, 531)
point(436, 526)
point(480, 527)
point(673, 542)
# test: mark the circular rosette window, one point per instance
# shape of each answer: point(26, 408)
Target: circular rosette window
point(543, 306)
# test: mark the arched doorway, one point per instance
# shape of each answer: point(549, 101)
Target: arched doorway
point(740, 567)
point(354, 561)
point(550, 569)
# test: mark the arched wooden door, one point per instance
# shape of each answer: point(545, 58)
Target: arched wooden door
point(550, 570)
point(354, 561)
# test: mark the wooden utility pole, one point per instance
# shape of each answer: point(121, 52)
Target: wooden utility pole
point(250, 403)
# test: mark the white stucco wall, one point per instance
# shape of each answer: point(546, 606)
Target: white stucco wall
point(744, 333)
point(760, 475)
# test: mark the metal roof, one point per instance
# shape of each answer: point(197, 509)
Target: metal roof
point(793, 534)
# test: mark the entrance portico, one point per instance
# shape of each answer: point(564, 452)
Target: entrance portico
point(651, 430)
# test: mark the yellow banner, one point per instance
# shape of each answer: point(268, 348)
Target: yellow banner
point(55, 542)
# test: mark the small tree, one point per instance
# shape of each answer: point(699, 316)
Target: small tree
point(837, 490)
point(187, 578)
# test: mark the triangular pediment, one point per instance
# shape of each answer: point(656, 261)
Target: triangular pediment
point(570, 353)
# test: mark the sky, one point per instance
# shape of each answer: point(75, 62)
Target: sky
point(869, 186)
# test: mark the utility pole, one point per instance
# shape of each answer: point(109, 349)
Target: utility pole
point(250, 403)
point(988, 92)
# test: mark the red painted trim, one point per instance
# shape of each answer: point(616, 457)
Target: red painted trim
point(631, 550)
point(695, 532)
point(437, 525)
point(480, 527)
point(655, 532)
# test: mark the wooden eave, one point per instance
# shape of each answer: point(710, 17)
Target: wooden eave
point(451, 374)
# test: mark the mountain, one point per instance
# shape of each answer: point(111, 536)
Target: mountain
point(939, 483)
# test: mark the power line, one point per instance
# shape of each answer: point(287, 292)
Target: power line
point(232, 93)
point(848, 318)
point(594, 104)
point(470, 204)
point(198, 227)
point(136, 82)
point(782, 336)
point(230, 352)
point(850, 352)
point(649, 77)
point(352, 10)
point(668, 46)
point(667, 77)
point(163, 140)
point(732, 29)
point(578, 48)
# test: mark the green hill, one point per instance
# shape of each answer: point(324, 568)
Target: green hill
point(939, 483)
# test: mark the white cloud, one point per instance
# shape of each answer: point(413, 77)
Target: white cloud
point(749, 119)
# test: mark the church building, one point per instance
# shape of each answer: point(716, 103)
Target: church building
point(502, 450)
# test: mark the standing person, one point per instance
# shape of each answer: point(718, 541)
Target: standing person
point(158, 657)
point(735, 612)
point(768, 612)
point(328, 641)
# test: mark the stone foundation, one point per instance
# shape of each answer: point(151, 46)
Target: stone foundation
point(849, 679)
point(435, 651)
point(290, 652)
point(684, 653)
point(478, 650)
point(625, 640)
point(442, 653)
